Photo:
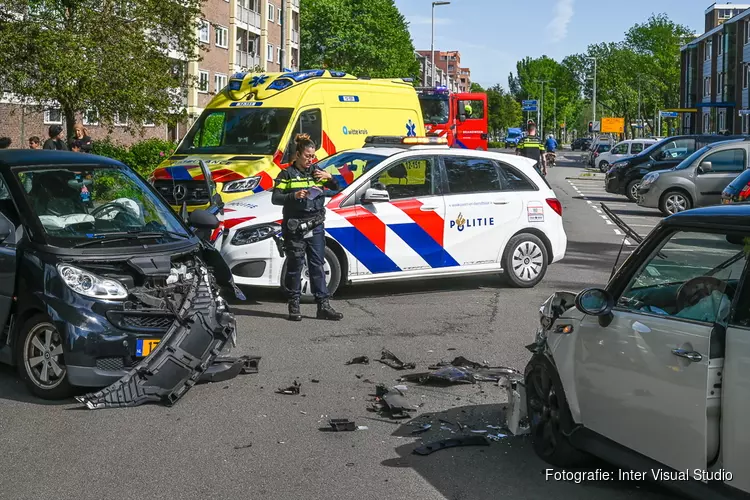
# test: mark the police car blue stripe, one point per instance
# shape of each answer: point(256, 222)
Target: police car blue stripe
point(363, 250)
point(423, 244)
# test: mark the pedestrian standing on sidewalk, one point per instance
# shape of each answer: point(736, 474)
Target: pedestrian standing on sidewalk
point(35, 142)
point(55, 141)
point(299, 189)
point(82, 135)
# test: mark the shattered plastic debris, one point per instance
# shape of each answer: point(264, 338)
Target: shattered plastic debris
point(341, 424)
point(393, 401)
point(445, 375)
point(292, 389)
point(496, 437)
point(459, 361)
point(452, 443)
point(422, 428)
point(390, 359)
point(401, 388)
point(361, 360)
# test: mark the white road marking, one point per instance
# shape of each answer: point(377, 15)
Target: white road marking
point(589, 202)
point(617, 232)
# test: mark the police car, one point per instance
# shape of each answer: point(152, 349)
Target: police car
point(411, 208)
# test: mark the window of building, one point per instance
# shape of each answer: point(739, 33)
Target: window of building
point(725, 14)
point(745, 121)
point(121, 120)
point(222, 37)
point(149, 123)
point(91, 117)
point(720, 48)
point(706, 123)
point(203, 81)
point(707, 50)
point(747, 32)
point(279, 12)
point(278, 55)
point(707, 86)
point(220, 81)
point(204, 31)
point(722, 120)
point(745, 72)
point(53, 116)
point(271, 12)
point(269, 53)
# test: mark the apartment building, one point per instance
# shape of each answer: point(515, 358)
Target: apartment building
point(714, 73)
point(441, 77)
point(234, 35)
point(450, 63)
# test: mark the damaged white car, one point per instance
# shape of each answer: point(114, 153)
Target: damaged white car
point(650, 372)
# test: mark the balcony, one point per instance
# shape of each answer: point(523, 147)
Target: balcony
point(295, 36)
point(248, 17)
point(246, 60)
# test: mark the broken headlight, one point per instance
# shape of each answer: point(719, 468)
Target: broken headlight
point(242, 185)
point(91, 285)
point(254, 234)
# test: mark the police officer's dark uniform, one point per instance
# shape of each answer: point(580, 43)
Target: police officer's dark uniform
point(301, 243)
point(531, 147)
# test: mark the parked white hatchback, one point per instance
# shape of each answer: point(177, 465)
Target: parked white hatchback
point(411, 208)
point(622, 150)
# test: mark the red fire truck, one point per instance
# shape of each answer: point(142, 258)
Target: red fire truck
point(460, 117)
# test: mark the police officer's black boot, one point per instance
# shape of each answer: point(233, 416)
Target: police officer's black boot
point(325, 311)
point(294, 314)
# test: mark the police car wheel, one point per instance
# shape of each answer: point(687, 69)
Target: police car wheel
point(525, 261)
point(332, 269)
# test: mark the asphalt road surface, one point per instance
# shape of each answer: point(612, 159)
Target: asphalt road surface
point(241, 440)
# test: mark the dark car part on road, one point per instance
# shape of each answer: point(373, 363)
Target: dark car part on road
point(361, 360)
point(390, 359)
point(446, 375)
point(393, 401)
point(201, 329)
point(227, 368)
point(422, 428)
point(459, 361)
point(452, 443)
point(292, 389)
point(342, 424)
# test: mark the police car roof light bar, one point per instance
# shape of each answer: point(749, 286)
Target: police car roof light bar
point(397, 140)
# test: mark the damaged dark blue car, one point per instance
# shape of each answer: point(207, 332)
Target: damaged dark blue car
point(102, 285)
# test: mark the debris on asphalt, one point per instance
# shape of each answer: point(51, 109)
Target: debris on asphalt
point(362, 428)
point(227, 368)
point(459, 361)
point(243, 446)
point(452, 443)
point(496, 437)
point(292, 389)
point(422, 428)
point(393, 401)
point(401, 388)
point(314, 381)
point(359, 375)
point(390, 359)
point(443, 376)
point(341, 424)
point(361, 360)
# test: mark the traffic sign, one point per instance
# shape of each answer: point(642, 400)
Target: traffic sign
point(532, 102)
point(669, 114)
point(529, 108)
point(613, 126)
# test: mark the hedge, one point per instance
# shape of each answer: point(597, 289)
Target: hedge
point(143, 156)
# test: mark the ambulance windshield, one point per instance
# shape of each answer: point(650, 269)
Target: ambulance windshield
point(252, 130)
point(435, 108)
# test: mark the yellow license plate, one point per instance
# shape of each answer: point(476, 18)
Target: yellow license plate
point(144, 347)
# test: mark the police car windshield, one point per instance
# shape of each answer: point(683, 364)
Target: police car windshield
point(245, 130)
point(346, 167)
point(435, 108)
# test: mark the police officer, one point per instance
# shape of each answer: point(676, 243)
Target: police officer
point(299, 188)
point(531, 147)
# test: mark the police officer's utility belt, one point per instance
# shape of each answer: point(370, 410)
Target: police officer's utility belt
point(302, 226)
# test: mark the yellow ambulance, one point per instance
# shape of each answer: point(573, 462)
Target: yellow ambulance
point(246, 133)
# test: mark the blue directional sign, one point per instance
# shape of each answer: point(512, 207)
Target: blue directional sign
point(529, 103)
point(529, 108)
point(669, 114)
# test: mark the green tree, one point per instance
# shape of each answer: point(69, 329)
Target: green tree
point(475, 87)
point(106, 56)
point(363, 38)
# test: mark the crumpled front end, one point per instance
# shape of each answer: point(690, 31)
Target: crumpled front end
point(201, 329)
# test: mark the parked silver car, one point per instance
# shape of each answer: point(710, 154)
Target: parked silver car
point(698, 180)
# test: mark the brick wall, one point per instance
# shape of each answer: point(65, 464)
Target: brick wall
point(20, 123)
point(215, 58)
point(274, 35)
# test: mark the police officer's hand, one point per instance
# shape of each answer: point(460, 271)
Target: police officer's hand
point(301, 194)
point(322, 174)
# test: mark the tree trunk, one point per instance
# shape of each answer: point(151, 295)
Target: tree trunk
point(70, 121)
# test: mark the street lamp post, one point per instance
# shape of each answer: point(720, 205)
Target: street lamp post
point(594, 97)
point(432, 43)
point(554, 114)
point(541, 108)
